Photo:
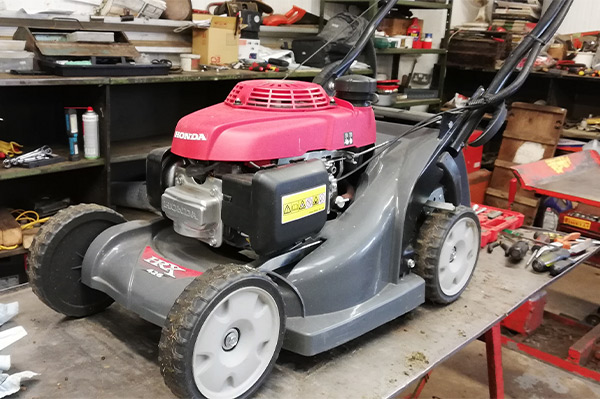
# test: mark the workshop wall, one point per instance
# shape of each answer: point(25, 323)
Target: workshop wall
point(582, 17)
point(279, 6)
point(37, 6)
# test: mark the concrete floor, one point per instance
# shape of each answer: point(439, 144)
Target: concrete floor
point(465, 374)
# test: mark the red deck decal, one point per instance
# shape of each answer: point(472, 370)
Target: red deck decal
point(164, 268)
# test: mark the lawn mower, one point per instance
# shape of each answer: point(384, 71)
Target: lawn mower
point(291, 219)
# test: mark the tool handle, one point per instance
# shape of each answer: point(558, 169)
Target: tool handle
point(518, 251)
point(512, 192)
point(569, 239)
point(549, 258)
point(560, 266)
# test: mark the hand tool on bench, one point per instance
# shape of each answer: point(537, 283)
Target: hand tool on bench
point(543, 262)
point(41, 153)
point(563, 265)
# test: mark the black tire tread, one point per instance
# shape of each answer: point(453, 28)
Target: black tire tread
point(428, 245)
point(45, 237)
point(178, 329)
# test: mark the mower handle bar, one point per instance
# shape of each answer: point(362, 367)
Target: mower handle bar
point(365, 37)
point(453, 138)
point(496, 94)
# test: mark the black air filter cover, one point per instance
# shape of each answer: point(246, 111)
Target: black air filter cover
point(277, 207)
point(357, 89)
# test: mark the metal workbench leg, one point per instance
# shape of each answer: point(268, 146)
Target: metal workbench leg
point(493, 349)
point(419, 388)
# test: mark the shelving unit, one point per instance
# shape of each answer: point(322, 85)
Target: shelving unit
point(412, 51)
point(137, 115)
point(137, 149)
point(7, 253)
point(16, 172)
point(405, 103)
point(396, 53)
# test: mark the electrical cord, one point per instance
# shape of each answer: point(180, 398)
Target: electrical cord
point(384, 146)
point(27, 219)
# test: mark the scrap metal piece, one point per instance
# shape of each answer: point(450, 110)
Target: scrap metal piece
point(573, 177)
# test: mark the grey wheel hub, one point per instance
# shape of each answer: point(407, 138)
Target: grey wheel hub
point(231, 339)
point(236, 343)
point(458, 256)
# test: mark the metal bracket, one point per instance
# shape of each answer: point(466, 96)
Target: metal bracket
point(445, 206)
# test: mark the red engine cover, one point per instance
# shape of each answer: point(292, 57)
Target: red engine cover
point(272, 119)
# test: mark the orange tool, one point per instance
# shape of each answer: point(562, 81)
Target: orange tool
point(568, 240)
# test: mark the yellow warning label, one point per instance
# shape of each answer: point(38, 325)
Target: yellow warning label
point(305, 203)
point(559, 164)
point(582, 224)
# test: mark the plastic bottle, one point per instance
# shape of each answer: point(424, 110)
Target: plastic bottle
point(428, 42)
point(91, 140)
point(414, 30)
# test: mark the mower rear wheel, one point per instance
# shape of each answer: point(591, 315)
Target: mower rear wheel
point(223, 334)
point(447, 250)
point(56, 258)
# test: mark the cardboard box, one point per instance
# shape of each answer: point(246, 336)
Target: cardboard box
point(248, 49)
point(217, 45)
point(397, 26)
point(558, 51)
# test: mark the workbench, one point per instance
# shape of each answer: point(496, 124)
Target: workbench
point(114, 353)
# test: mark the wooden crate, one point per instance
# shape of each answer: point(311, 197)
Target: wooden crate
point(479, 50)
point(531, 134)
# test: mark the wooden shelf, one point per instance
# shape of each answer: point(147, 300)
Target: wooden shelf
point(575, 133)
point(408, 51)
point(135, 150)
point(417, 101)
point(424, 5)
point(17, 172)
point(230, 74)
point(274, 30)
point(13, 252)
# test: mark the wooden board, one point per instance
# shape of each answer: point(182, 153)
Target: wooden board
point(68, 49)
point(10, 230)
point(121, 47)
point(28, 236)
point(532, 133)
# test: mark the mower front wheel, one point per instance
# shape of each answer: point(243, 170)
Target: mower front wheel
point(223, 334)
point(56, 258)
point(447, 250)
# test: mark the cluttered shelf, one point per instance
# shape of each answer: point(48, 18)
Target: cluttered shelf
point(7, 79)
point(6, 253)
point(227, 74)
point(415, 51)
point(575, 133)
point(405, 103)
point(542, 74)
point(134, 150)
point(17, 172)
point(295, 28)
point(409, 3)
